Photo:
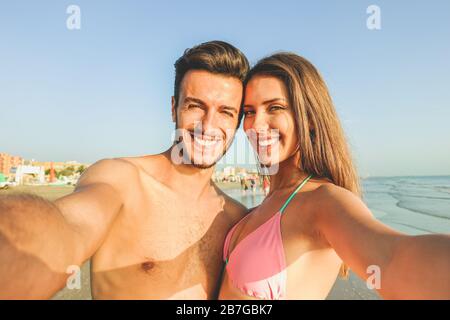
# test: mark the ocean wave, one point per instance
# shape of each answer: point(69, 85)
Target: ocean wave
point(442, 189)
point(397, 196)
point(405, 205)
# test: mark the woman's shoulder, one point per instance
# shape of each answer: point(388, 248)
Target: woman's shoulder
point(335, 202)
point(320, 196)
point(331, 194)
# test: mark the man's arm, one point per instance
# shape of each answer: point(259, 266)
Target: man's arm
point(39, 239)
point(411, 267)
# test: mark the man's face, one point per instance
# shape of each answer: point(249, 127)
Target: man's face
point(207, 114)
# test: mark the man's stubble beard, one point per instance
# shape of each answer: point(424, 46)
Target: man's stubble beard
point(187, 158)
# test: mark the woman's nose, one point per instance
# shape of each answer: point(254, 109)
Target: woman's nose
point(260, 122)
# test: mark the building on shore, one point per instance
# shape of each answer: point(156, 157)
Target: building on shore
point(8, 163)
point(234, 174)
point(56, 165)
point(21, 171)
point(29, 174)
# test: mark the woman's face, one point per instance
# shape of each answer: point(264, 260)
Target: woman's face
point(269, 120)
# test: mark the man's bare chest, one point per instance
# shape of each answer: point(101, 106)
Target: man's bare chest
point(163, 230)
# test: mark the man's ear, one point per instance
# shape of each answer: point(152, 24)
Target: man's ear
point(174, 112)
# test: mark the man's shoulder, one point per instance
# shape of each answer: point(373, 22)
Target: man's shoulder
point(110, 171)
point(122, 164)
point(233, 208)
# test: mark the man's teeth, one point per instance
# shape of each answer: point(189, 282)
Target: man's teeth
point(209, 141)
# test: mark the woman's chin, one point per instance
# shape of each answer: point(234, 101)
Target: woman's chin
point(268, 164)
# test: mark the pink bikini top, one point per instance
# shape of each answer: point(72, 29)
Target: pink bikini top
point(257, 264)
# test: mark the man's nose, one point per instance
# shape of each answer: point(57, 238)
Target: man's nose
point(210, 121)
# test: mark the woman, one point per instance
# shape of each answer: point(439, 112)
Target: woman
point(313, 223)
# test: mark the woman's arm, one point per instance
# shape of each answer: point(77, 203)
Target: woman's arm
point(411, 267)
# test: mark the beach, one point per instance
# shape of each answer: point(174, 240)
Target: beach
point(413, 205)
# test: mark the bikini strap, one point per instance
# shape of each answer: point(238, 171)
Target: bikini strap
point(229, 237)
point(294, 193)
point(226, 249)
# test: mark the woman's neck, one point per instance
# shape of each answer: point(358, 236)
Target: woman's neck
point(287, 176)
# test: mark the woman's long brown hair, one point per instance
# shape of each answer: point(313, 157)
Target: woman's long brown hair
point(322, 145)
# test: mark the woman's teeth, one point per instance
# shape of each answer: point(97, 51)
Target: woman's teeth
point(267, 142)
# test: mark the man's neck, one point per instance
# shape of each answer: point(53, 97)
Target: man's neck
point(187, 177)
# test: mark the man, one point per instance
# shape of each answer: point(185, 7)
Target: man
point(153, 226)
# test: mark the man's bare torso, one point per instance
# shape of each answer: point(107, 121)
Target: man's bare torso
point(166, 242)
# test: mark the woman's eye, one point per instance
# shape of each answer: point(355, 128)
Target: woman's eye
point(275, 108)
point(248, 112)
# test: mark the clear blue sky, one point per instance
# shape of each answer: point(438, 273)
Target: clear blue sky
point(104, 90)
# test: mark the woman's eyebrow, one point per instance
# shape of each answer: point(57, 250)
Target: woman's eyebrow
point(274, 100)
point(268, 102)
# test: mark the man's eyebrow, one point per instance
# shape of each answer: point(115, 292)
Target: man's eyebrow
point(201, 102)
point(191, 99)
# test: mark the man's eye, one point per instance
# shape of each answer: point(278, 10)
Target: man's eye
point(228, 113)
point(249, 113)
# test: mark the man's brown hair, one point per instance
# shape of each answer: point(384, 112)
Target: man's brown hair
point(217, 57)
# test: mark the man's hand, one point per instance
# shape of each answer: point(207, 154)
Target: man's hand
point(39, 239)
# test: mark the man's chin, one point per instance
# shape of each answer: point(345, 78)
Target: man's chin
point(206, 162)
point(203, 165)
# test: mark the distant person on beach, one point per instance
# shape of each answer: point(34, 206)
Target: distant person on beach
point(265, 185)
point(153, 228)
point(253, 184)
point(312, 224)
point(243, 186)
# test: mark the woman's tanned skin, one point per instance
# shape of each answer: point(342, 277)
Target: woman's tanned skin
point(326, 224)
